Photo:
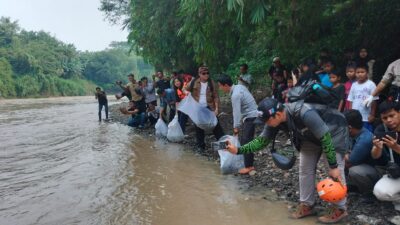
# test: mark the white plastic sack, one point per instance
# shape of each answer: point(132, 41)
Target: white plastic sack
point(200, 115)
point(230, 163)
point(175, 133)
point(161, 128)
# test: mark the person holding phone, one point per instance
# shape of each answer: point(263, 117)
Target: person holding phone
point(244, 108)
point(388, 148)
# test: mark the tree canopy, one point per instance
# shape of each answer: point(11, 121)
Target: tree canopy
point(181, 34)
point(33, 63)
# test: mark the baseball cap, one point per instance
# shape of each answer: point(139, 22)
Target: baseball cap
point(267, 108)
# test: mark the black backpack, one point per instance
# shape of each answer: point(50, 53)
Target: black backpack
point(312, 92)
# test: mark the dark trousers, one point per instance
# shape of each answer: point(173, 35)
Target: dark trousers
point(105, 108)
point(218, 133)
point(182, 118)
point(247, 134)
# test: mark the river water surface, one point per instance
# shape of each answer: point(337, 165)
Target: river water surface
point(59, 165)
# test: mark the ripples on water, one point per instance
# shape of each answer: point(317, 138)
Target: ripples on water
point(60, 166)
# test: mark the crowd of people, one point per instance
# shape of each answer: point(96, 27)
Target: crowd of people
point(358, 139)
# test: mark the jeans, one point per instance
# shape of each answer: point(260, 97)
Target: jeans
point(101, 108)
point(218, 133)
point(138, 120)
point(182, 118)
point(246, 136)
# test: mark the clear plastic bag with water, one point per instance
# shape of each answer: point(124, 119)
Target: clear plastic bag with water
point(230, 163)
point(175, 133)
point(161, 128)
point(203, 117)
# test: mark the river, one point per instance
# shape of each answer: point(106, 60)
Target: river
point(59, 165)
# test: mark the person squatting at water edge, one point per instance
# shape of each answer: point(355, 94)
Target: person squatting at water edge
point(314, 129)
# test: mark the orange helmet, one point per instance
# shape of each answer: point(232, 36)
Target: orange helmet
point(331, 191)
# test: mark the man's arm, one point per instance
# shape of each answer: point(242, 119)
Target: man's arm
point(255, 145)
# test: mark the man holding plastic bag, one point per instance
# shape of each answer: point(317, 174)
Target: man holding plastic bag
point(244, 110)
point(204, 92)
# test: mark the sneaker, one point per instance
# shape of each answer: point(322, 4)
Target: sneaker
point(334, 215)
point(246, 170)
point(302, 211)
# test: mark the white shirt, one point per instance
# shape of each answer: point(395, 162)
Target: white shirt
point(203, 94)
point(360, 92)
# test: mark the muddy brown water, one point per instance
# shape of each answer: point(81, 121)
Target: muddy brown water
point(59, 165)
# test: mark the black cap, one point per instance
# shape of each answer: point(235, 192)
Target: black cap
point(267, 108)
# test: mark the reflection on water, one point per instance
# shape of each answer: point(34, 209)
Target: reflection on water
point(60, 166)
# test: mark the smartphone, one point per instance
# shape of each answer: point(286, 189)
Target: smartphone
point(381, 135)
point(218, 145)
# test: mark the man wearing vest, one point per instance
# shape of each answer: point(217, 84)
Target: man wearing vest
point(204, 91)
point(315, 129)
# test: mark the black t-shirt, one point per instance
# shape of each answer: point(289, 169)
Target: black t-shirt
point(385, 154)
point(163, 84)
point(339, 92)
point(278, 70)
point(101, 97)
point(140, 105)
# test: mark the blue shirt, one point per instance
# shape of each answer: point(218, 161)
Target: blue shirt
point(361, 148)
point(169, 98)
point(325, 79)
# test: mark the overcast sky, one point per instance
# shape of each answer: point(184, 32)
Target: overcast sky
point(77, 22)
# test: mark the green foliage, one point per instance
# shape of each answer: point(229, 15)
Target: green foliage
point(36, 64)
point(225, 33)
point(7, 87)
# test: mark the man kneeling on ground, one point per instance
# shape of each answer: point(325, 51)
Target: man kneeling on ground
point(388, 148)
point(362, 172)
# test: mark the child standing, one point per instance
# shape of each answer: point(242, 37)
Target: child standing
point(360, 91)
point(338, 89)
point(285, 92)
point(351, 76)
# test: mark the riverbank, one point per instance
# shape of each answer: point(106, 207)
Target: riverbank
point(284, 183)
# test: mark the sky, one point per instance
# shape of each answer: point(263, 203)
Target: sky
point(77, 22)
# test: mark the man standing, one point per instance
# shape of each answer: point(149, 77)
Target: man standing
point(244, 108)
point(102, 98)
point(245, 78)
point(315, 129)
point(392, 76)
point(162, 83)
point(204, 91)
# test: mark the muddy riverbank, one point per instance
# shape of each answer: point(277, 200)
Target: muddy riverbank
point(268, 176)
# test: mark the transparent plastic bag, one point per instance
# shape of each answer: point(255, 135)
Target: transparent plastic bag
point(230, 163)
point(200, 115)
point(175, 133)
point(161, 128)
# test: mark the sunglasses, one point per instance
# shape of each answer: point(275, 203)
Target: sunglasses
point(207, 73)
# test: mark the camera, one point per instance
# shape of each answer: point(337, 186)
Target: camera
point(218, 145)
point(393, 170)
